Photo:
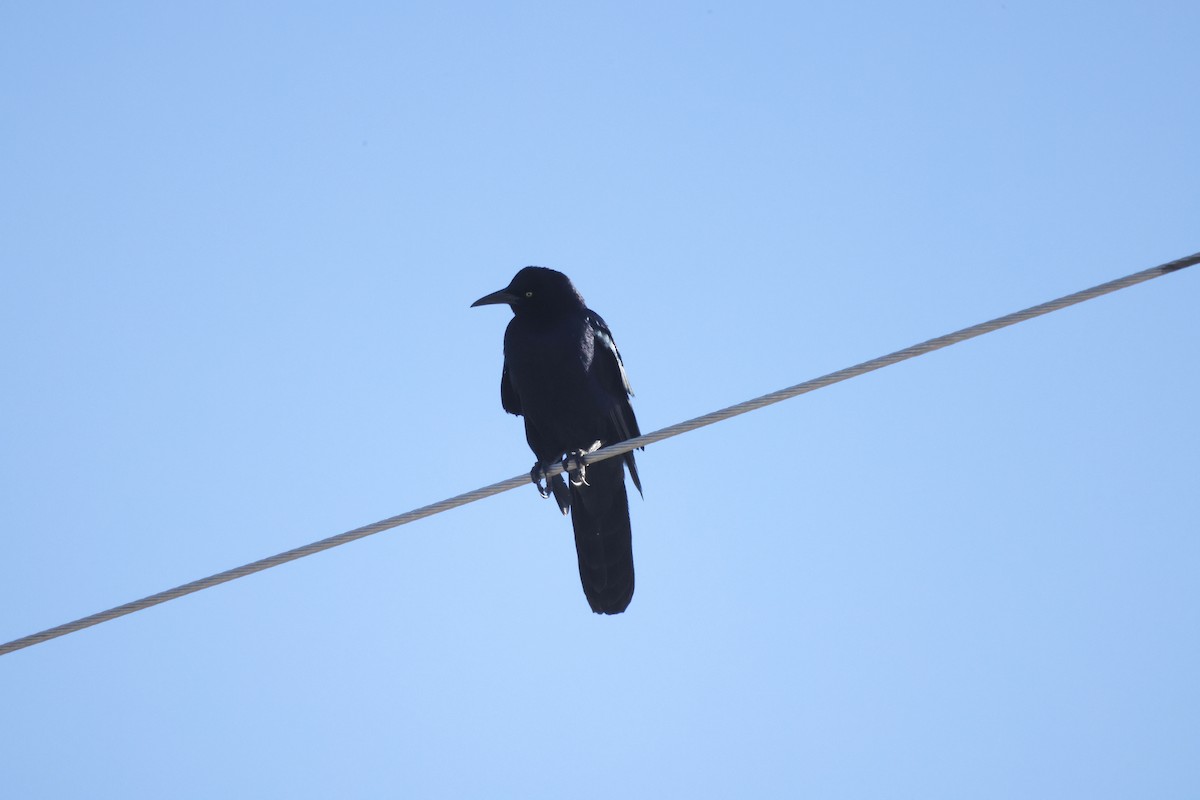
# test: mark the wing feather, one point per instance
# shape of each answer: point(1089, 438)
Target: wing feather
point(508, 394)
point(611, 370)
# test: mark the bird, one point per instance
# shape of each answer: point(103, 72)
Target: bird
point(564, 375)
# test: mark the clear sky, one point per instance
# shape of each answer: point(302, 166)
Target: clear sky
point(239, 242)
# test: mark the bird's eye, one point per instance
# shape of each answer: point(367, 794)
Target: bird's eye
point(529, 294)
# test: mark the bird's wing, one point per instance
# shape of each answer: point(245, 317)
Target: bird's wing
point(612, 368)
point(611, 371)
point(508, 394)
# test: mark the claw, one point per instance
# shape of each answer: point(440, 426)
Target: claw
point(578, 476)
point(546, 487)
point(538, 476)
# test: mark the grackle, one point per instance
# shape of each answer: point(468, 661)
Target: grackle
point(563, 373)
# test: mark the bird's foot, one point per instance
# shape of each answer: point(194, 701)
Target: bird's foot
point(547, 486)
point(578, 476)
point(538, 476)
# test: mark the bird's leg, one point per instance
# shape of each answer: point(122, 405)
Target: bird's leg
point(538, 476)
point(578, 475)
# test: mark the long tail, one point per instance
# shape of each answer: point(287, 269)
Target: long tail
point(603, 539)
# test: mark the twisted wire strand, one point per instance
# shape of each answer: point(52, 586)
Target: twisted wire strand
point(611, 451)
point(912, 351)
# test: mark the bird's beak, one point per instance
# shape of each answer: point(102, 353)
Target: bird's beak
point(496, 298)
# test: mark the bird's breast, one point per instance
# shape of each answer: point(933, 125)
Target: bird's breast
point(550, 367)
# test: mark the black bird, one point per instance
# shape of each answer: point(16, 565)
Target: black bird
point(563, 373)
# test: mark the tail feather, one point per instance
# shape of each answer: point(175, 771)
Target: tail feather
point(603, 539)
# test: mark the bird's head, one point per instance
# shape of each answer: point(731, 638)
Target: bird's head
point(536, 291)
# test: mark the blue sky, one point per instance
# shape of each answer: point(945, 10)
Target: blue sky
point(239, 242)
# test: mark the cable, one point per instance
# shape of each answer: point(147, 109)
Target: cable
point(607, 452)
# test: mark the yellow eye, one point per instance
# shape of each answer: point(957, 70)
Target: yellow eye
point(529, 294)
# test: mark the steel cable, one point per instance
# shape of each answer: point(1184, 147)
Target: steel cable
point(607, 452)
